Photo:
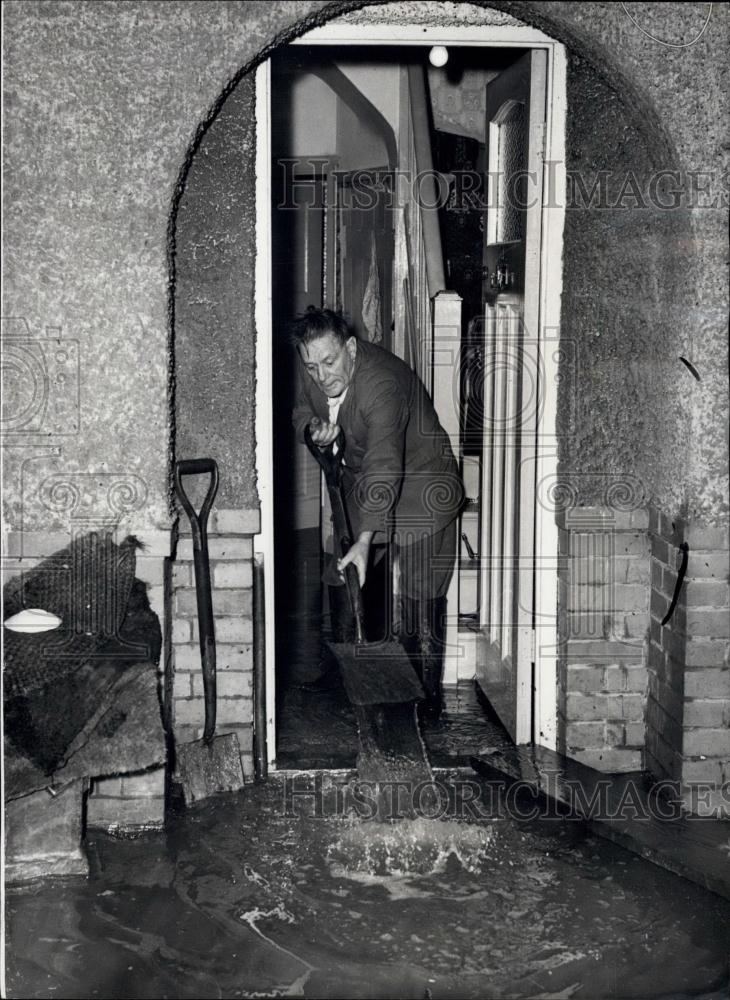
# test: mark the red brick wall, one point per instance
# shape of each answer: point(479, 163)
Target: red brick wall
point(230, 548)
point(632, 693)
point(688, 712)
point(603, 620)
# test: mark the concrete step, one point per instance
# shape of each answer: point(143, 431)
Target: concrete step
point(625, 808)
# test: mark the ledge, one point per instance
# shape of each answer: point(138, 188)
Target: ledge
point(245, 521)
point(602, 518)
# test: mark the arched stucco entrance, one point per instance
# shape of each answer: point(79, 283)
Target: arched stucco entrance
point(622, 430)
point(211, 231)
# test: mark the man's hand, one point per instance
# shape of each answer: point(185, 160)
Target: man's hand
point(323, 433)
point(358, 556)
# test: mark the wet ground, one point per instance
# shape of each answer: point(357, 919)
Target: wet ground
point(253, 895)
point(318, 731)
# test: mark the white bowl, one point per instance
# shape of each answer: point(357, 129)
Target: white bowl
point(33, 620)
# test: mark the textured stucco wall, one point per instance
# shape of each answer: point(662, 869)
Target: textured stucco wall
point(643, 285)
point(623, 405)
point(103, 101)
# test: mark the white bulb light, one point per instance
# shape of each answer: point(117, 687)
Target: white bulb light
point(438, 56)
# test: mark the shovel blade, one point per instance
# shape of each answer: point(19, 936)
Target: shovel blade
point(206, 769)
point(377, 673)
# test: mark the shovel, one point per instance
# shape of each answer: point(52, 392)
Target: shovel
point(213, 764)
point(379, 679)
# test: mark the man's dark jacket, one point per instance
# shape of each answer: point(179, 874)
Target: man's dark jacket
point(400, 471)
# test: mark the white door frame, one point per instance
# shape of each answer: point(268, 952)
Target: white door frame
point(553, 215)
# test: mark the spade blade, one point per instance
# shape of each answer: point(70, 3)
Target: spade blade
point(377, 673)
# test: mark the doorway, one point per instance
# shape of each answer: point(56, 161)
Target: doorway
point(506, 640)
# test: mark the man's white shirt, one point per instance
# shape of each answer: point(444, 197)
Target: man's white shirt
point(334, 403)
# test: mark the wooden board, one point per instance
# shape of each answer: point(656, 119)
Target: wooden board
point(392, 756)
point(384, 689)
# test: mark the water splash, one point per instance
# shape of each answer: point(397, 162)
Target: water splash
point(410, 847)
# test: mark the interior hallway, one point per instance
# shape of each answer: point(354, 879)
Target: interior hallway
point(317, 730)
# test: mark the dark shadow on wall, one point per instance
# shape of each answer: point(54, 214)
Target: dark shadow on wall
point(214, 300)
point(623, 423)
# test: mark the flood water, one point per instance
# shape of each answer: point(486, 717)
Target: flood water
point(320, 732)
point(253, 895)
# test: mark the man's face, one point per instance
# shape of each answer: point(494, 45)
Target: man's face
point(329, 362)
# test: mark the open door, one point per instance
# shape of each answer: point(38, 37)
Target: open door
point(515, 135)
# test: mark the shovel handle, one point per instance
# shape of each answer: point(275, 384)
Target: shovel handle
point(331, 464)
point(197, 467)
point(198, 524)
point(329, 460)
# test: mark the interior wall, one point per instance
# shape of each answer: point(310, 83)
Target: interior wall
point(359, 145)
point(379, 83)
point(304, 116)
point(309, 119)
point(459, 104)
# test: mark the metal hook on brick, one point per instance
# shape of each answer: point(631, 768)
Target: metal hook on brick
point(684, 549)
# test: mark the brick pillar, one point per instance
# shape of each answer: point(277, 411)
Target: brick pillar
point(230, 546)
point(603, 621)
point(688, 717)
point(665, 706)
